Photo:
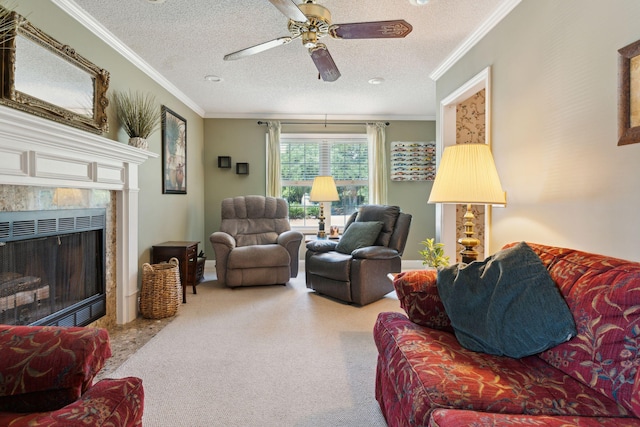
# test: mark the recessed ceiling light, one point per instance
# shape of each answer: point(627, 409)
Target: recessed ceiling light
point(212, 78)
point(155, 1)
point(376, 81)
point(418, 2)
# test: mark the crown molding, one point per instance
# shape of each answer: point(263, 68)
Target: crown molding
point(77, 13)
point(503, 10)
point(320, 117)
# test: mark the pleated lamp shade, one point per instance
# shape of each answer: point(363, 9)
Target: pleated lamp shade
point(467, 174)
point(323, 189)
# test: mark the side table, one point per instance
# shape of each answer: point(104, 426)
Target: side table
point(187, 255)
point(312, 237)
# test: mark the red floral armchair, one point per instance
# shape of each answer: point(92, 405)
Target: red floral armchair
point(46, 379)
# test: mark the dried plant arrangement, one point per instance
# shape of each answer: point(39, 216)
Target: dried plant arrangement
point(7, 21)
point(138, 113)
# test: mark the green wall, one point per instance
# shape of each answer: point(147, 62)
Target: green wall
point(554, 88)
point(245, 141)
point(196, 215)
point(162, 217)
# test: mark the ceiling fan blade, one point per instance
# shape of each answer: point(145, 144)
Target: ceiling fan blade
point(258, 48)
point(290, 10)
point(324, 63)
point(371, 30)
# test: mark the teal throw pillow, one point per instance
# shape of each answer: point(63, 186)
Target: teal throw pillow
point(507, 304)
point(359, 235)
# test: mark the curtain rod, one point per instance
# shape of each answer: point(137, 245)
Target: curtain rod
point(260, 122)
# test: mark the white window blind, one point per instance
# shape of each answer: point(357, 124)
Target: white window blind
point(305, 156)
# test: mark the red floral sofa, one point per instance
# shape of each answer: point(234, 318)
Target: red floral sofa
point(426, 378)
point(46, 379)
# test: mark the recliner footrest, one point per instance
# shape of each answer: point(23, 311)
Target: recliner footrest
point(258, 256)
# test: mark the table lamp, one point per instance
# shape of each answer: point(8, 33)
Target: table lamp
point(467, 175)
point(323, 190)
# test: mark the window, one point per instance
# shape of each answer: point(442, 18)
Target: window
point(304, 156)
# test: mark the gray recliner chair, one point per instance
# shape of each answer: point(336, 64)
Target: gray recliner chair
point(255, 244)
point(355, 269)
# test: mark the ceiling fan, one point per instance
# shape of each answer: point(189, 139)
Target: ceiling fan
point(310, 22)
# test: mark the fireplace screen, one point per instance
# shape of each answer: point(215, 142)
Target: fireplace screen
point(50, 277)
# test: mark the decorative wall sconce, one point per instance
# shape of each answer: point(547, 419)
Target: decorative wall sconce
point(242, 168)
point(224, 162)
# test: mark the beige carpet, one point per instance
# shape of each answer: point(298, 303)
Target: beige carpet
point(262, 356)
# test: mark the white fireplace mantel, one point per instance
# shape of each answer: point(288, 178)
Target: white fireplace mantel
point(40, 152)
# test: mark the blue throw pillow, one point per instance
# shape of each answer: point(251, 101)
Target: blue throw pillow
point(359, 235)
point(507, 304)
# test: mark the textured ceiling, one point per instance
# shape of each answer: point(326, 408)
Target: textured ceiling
point(184, 40)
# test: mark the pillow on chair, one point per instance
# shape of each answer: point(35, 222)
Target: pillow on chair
point(359, 235)
point(387, 215)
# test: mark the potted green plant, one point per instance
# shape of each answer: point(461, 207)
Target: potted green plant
point(433, 254)
point(138, 114)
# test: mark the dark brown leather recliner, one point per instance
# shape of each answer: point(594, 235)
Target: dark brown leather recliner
point(359, 277)
point(255, 244)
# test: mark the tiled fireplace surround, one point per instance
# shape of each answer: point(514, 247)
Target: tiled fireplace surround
point(45, 165)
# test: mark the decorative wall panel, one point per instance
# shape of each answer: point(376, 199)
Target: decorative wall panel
point(470, 129)
point(413, 161)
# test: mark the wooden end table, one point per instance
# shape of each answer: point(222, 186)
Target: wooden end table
point(187, 254)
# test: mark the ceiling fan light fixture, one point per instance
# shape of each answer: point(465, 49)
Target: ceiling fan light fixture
point(418, 2)
point(309, 39)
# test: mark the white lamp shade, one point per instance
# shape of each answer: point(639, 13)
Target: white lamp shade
point(467, 174)
point(323, 189)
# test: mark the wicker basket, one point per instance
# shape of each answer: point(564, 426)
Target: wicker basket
point(161, 290)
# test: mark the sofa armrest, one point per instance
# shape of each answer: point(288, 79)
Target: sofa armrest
point(290, 237)
point(223, 239)
point(110, 402)
point(322, 245)
point(45, 368)
point(417, 292)
point(291, 240)
point(375, 252)
point(222, 244)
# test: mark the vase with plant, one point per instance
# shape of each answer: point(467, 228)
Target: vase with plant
point(433, 254)
point(139, 115)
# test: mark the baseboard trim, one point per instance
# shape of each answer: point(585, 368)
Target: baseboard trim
point(409, 264)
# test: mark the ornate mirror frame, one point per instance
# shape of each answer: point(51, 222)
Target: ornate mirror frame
point(37, 56)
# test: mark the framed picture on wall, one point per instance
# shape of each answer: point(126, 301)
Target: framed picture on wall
point(174, 153)
point(629, 94)
point(413, 161)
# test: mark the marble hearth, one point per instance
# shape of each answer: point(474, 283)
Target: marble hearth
point(41, 158)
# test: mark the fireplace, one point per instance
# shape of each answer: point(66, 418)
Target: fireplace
point(52, 267)
point(37, 154)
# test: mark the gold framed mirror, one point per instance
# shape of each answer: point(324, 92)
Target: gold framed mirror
point(49, 79)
